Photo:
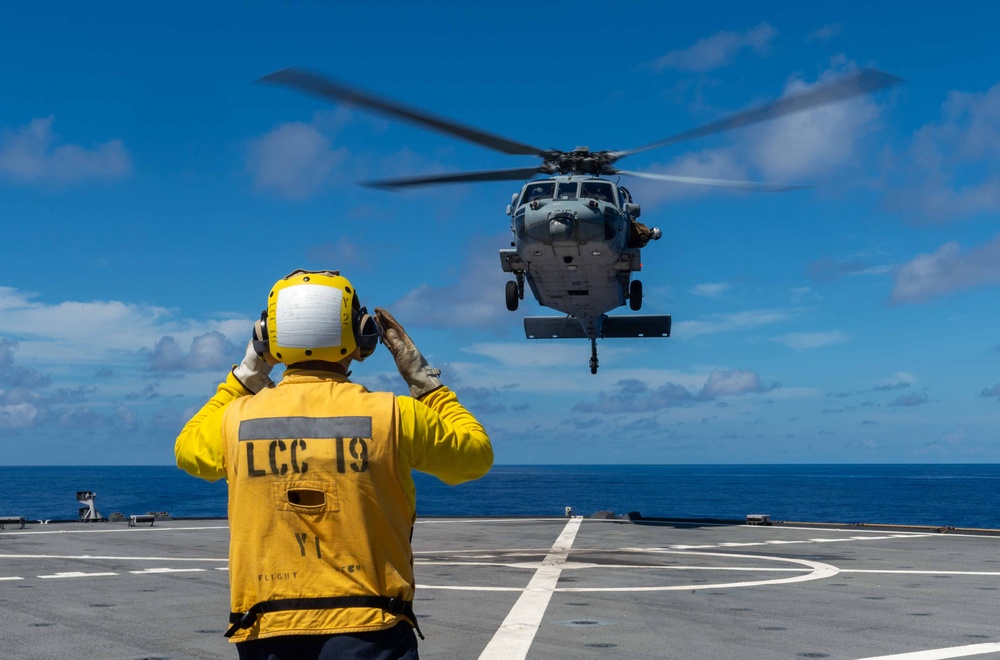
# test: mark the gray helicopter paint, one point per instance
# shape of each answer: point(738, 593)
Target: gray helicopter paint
point(571, 250)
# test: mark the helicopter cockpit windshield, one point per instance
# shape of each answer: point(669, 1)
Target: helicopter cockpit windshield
point(542, 191)
point(538, 191)
point(599, 190)
point(567, 190)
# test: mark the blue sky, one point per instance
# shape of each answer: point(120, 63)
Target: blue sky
point(151, 194)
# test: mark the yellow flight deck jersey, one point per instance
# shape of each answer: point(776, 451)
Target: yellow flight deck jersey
point(321, 499)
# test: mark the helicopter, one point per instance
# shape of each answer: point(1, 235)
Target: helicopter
point(576, 235)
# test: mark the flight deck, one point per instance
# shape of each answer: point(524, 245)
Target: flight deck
point(552, 588)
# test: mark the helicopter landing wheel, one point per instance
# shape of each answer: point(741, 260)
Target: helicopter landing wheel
point(512, 296)
point(635, 295)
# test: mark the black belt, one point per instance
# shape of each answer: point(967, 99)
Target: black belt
point(241, 620)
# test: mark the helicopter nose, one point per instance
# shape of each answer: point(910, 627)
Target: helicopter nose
point(561, 226)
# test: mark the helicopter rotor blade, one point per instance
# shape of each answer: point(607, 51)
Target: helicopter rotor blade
point(460, 177)
point(755, 186)
point(318, 85)
point(864, 81)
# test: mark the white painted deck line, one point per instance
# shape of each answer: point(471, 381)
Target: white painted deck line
point(909, 572)
point(515, 635)
point(943, 654)
point(114, 558)
point(123, 530)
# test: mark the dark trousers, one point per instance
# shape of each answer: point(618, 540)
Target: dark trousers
point(396, 643)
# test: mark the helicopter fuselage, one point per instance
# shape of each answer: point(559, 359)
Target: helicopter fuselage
point(570, 244)
point(576, 244)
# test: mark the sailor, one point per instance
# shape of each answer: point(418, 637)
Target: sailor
point(639, 234)
point(321, 497)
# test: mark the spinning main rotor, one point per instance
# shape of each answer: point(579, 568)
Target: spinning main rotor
point(581, 160)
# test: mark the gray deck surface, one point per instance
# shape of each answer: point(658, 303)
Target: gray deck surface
point(536, 588)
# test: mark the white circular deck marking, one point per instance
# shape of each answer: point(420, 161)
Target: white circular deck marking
point(808, 570)
point(816, 571)
point(513, 638)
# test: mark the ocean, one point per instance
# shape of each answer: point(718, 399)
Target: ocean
point(941, 495)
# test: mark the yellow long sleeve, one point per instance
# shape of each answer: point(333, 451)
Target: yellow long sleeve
point(440, 437)
point(199, 448)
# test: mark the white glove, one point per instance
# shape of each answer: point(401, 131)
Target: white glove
point(252, 371)
point(420, 376)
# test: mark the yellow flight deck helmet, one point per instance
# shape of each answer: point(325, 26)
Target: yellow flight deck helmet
point(314, 315)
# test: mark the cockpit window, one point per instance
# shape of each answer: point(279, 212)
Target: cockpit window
point(599, 190)
point(567, 190)
point(540, 190)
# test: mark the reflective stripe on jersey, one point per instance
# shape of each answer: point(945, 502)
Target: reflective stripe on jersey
point(306, 427)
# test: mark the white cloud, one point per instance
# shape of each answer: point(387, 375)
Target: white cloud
point(947, 270)
point(802, 341)
point(475, 298)
point(210, 351)
point(96, 332)
point(295, 160)
point(18, 416)
point(95, 365)
point(7, 350)
point(826, 33)
point(708, 163)
point(634, 395)
point(716, 323)
point(730, 382)
point(537, 354)
point(814, 142)
point(717, 50)
point(911, 400)
point(711, 289)
point(950, 169)
point(899, 380)
point(828, 141)
point(28, 154)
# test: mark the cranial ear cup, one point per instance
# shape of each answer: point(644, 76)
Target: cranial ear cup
point(366, 331)
point(261, 345)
